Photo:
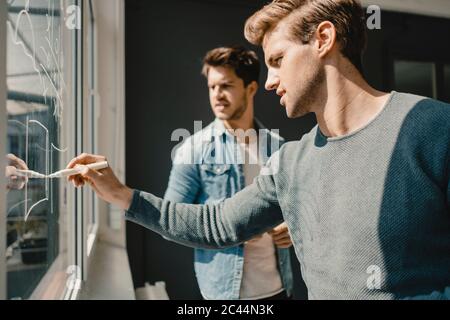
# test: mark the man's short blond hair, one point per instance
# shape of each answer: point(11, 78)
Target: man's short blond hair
point(304, 16)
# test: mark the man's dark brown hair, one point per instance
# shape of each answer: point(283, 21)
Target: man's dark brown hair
point(304, 16)
point(245, 63)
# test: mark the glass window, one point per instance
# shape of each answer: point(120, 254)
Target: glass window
point(51, 116)
point(415, 77)
point(34, 107)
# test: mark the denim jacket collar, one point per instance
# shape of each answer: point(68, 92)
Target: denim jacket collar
point(217, 128)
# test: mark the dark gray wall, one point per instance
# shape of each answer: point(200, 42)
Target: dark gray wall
point(165, 42)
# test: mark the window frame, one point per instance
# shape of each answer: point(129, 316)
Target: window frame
point(445, 88)
point(91, 208)
point(79, 146)
point(47, 288)
point(3, 205)
point(74, 205)
point(435, 67)
point(438, 61)
point(54, 283)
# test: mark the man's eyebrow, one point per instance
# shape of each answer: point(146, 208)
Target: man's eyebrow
point(222, 82)
point(225, 82)
point(271, 59)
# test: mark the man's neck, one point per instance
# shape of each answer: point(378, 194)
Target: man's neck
point(349, 104)
point(245, 122)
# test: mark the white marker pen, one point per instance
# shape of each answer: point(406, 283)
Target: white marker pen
point(74, 171)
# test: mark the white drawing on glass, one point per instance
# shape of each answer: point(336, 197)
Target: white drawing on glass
point(47, 65)
point(50, 73)
point(47, 143)
point(49, 147)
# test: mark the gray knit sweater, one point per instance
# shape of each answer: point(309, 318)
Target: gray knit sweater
point(368, 212)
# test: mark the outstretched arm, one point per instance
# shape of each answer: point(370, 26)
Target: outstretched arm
point(250, 212)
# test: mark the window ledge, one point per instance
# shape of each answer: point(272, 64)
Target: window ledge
point(109, 275)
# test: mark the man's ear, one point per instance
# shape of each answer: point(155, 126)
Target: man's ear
point(252, 88)
point(325, 36)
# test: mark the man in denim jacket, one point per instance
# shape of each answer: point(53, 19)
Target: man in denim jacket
point(216, 163)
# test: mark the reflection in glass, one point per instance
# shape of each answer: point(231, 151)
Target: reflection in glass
point(415, 77)
point(34, 107)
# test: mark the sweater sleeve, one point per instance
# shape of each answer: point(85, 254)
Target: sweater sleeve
point(250, 212)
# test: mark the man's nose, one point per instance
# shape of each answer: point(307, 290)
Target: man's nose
point(218, 93)
point(272, 81)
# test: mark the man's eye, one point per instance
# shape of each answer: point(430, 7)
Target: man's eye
point(278, 60)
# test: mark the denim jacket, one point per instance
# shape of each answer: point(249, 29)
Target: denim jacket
point(200, 176)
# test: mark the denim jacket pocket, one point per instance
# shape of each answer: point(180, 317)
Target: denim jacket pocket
point(215, 179)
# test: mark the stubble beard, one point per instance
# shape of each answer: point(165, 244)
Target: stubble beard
point(239, 112)
point(309, 93)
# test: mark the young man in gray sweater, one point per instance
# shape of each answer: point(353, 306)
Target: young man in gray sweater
point(365, 194)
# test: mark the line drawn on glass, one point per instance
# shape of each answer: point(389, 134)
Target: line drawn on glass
point(33, 206)
point(48, 64)
point(47, 143)
point(57, 63)
point(30, 52)
point(56, 111)
point(14, 28)
point(59, 150)
point(55, 60)
point(49, 167)
point(49, 147)
point(52, 169)
point(16, 205)
point(16, 122)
